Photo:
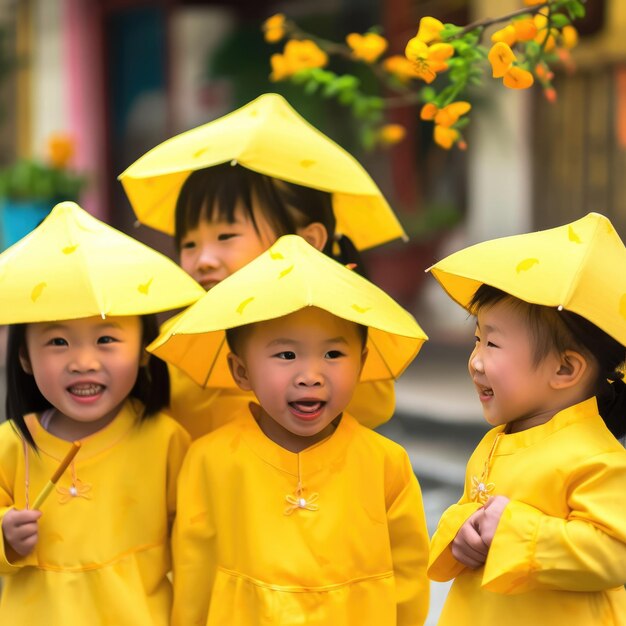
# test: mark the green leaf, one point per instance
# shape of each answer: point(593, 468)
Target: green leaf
point(559, 20)
point(346, 97)
point(578, 8)
point(462, 122)
point(428, 94)
point(311, 87)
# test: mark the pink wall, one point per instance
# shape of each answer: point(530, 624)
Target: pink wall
point(84, 97)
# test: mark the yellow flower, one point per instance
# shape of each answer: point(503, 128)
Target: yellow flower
point(428, 112)
point(429, 29)
point(280, 68)
point(391, 134)
point(569, 37)
point(525, 29)
point(445, 137)
point(304, 54)
point(518, 78)
point(400, 67)
point(367, 47)
point(507, 35)
point(60, 149)
point(501, 58)
point(446, 116)
point(541, 22)
point(274, 28)
point(297, 55)
point(428, 60)
point(449, 115)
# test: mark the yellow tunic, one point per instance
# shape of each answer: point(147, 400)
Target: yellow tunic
point(103, 555)
point(251, 550)
point(201, 410)
point(559, 552)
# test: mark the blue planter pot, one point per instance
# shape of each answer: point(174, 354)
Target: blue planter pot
point(19, 217)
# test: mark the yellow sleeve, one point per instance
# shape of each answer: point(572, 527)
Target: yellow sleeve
point(178, 447)
point(193, 544)
point(408, 537)
point(10, 455)
point(442, 566)
point(373, 402)
point(584, 552)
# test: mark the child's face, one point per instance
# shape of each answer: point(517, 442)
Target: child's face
point(303, 369)
point(212, 251)
point(85, 368)
point(511, 388)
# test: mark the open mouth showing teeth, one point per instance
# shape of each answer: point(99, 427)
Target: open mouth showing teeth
point(307, 406)
point(85, 391)
point(486, 392)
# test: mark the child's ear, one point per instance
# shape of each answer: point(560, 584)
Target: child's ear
point(25, 361)
point(572, 367)
point(239, 371)
point(315, 234)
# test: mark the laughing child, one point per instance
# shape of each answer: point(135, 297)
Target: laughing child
point(294, 513)
point(539, 535)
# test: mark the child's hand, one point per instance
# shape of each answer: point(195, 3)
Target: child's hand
point(468, 547)
point(492, 512)
point(20, 530)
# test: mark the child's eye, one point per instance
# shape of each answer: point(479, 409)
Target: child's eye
point(57, 341)
point(334, 354)
point(287, 355)
point(187, 245)
point(107, 339)
point(491, 344)
point(226, 236)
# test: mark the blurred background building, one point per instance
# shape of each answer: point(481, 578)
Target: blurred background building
point(120, 76)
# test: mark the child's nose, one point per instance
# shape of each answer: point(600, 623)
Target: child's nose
point(84, 361)
point(475, 363)
point(207, 258)
point(309, 376)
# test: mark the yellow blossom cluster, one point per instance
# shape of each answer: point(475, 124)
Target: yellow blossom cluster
point(427, 54)
point(297, 55)
point(366, 47)
point(522, 51)
point(445, 134)
point(61, 147)
point(502, 61)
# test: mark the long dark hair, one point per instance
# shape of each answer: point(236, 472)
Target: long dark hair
point(564, 330)
point(212, 193)
point(23, 396)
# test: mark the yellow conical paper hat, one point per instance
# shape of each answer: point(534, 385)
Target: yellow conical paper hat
point(73, 266)
point(580, 267)
point(268, 136)
point(289, 276)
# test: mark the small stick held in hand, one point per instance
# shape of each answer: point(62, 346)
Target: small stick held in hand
point(45, 492)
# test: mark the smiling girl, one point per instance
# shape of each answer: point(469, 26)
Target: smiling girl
point(97, 551)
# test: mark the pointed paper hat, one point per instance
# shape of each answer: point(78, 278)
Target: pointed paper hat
point(289, 276)
point(73, 266)
point(580, 267)
point(269, 137)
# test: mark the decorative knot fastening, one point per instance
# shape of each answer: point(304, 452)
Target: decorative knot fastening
point(298, 501)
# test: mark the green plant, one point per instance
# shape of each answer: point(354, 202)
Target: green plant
point(32, 179)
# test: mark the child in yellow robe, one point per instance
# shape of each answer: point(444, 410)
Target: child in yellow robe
point(539, 535)
point(294, 513)
point(229, 212)
point(79, 297)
